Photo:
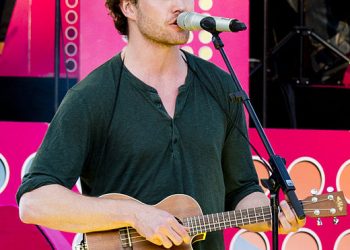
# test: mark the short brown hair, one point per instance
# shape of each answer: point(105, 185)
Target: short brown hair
point(120, 21)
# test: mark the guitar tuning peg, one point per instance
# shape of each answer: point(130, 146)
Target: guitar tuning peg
point(335, 221)
point(319, 222)
point(314, 191)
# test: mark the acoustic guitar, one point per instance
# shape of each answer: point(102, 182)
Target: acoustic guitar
point(189, 213)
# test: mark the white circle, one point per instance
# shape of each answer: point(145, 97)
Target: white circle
point(75, 16)
point(78, 185)
point(318, 166)
point(205, 37)
point(241, 231)
point(75, 65)
point(190, 39)
point(263, 162)
point(27, 163)
point(72, 5)
point(75, 33)
point(303, 230)
point(340, 171)
point(205, 4)
point(125, 39)
point(189, 49)
point(77, 240)
point(205, 52)
point(66, 49)
point(7, 173)
point(340, 237)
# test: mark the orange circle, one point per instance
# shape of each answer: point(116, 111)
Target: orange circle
point(306, 176)
point(308, 241)
point(344, 180)
point(262, 172)
point(343, 243)
point(254, 239)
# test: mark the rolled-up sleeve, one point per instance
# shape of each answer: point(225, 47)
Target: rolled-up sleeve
point(64, 149)
point(239, 172)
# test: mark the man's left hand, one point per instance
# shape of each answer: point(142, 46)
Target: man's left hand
point(288, 221)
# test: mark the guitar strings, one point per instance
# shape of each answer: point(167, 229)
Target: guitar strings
point(133, 235)
point(311, 202)
point(240, 219)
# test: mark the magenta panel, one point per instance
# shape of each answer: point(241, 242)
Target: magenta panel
point(17, 235)
point(100, 40)
point(346, 79)
point(29, 45)
point(14, 59)
point(18, 142)
point(329, 148)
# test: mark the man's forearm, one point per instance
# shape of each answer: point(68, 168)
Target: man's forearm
point(56, 207)
point(59, 208)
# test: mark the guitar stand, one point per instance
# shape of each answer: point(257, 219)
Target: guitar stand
point(301, 31)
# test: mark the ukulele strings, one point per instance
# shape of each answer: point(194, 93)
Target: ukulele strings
point(134, 237)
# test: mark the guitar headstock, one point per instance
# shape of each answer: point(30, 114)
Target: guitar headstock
point(325, 205)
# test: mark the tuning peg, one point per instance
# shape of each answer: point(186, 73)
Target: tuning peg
point(335, 221)
point(314, 191)
point(319, 222)
point(332, 211)
point(330, 197)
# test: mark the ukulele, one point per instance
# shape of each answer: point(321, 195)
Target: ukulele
point(190, 215)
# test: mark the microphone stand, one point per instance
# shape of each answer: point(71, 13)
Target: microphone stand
point(279, 178)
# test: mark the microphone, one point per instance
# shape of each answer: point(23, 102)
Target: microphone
point(195, 21)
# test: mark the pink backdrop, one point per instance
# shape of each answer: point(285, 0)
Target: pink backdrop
point(330, 148)
point(29, 44)
point(29, 52)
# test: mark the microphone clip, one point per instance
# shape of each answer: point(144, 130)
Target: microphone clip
point(209, 24)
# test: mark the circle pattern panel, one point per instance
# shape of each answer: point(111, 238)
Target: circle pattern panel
point(343, 180)
point(303, 239)
point(307, 174)
point(4, 173)
point(249, 240)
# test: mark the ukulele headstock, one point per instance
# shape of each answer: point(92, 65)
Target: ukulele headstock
point(325, 205)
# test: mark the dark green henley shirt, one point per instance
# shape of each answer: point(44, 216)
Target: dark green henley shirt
point(125, 142)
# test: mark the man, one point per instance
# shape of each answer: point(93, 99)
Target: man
point(151, 122)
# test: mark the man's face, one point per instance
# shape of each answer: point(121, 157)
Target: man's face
point(156, 20)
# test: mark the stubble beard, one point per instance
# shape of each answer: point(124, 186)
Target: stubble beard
point(158, 34)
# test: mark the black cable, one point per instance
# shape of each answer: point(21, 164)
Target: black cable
point(108, 131)
point(45, 236)
point(234, 123)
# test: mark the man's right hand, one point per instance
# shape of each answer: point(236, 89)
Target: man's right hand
point(83, 214)
point(159, 227)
